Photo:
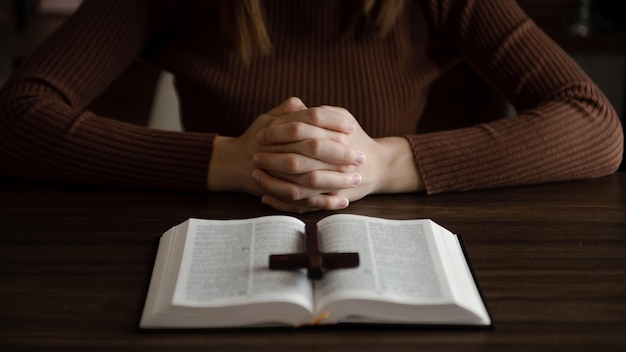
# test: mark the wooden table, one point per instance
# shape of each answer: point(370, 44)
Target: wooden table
point(551, 260)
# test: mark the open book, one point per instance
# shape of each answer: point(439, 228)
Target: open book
point(214, 273)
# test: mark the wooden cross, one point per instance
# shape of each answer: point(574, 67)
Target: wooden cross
point(313, 260)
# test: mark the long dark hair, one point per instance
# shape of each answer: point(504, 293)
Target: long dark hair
point(251, 37)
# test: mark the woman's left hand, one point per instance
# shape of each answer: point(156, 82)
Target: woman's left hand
point(387, 166)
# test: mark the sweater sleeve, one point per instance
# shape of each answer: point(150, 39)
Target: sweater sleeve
point(565, 129)
point(46, 134)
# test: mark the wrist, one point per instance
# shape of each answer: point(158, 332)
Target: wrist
point(229, 169)
point(399, 172)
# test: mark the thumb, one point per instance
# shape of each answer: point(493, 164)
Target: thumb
point(288, 106)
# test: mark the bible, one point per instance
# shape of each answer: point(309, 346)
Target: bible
point(215, 274)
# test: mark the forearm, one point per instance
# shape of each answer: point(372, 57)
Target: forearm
point(566, 128)
point(61, 145)
point(45, 132)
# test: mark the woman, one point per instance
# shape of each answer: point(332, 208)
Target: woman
point(360, 70)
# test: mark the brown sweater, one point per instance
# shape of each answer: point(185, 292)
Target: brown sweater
point(566, 128)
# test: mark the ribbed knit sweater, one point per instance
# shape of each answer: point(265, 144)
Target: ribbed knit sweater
point(565, 129)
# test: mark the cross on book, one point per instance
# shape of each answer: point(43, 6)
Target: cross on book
point(313, 260)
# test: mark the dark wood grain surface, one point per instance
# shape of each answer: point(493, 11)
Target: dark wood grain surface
point(551, 261)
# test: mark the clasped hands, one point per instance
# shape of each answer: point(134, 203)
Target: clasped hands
point(300, 159)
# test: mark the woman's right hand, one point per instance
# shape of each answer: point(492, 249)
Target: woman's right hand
point(231, 166)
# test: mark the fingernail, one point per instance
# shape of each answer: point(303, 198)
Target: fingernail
point(255, 160)
point(255, 175)
point(360, 158)
point(356, 180)
point(343, 203)
point(260, 137)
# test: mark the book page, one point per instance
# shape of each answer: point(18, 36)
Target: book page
point(463, 287)
point(225, 262)
point(397, 261)
point(161, 289)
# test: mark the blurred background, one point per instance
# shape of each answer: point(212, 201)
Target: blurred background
point(593, 32)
